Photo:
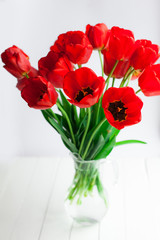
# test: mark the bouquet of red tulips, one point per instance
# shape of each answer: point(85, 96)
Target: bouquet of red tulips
point(92, 111)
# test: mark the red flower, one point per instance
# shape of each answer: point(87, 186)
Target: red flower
point(122, 107)
point(75, 45)
point(149, 81)
point(16, 61)
point(97, 35)
point(22, 82)
point(59, 45)
point(121, 43)
point(109, 63)
point(54, 67)
point(83, 87)
point(39, 93)
point(145, 54)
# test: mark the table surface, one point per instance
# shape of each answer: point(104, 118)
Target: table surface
point(32, 194)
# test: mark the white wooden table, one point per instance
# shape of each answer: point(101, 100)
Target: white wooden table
point(32, 194)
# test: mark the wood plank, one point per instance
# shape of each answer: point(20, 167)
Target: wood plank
point(112, 226)
point(33, 209)
point(32, 202)
point(57, 225)
point(137, 215)
point(84, 232)
point(13, 193)
point(153, 173)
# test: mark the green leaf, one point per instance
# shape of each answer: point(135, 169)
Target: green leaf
point(106, 149)
point(64, 124)
point(60, 130)
point(93, 115)
point(82, 114)
point(104, 140)
point(94, 148)
point(105, 129)
point(46, 115)
point(82, 125)
point(101, 112)
point(62, 133)
point(87, 139)
point(65, 104)
point(109, 142)
point(73, 119)
point(128, 142)
point(80, 132)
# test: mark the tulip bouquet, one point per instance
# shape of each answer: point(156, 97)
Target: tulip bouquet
point(92, 111)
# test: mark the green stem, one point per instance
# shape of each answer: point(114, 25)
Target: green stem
point(100, 100)
point(79, 66)
point(91, 138)
point(75, 113)
point(128, 71)
point(113, 82)
point(130, 74)
point(114, 67)
point(128, 81)
point(53, 114)
point(101, 61)
point(86, 130)
point(68, 121)
point(125, 79)
point(60, 130)
point(98, 105)
point(139, 90)
point(97, 110)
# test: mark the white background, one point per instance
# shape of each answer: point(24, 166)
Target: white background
point(33, 25)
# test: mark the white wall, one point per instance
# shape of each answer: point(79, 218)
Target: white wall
point(33, 25)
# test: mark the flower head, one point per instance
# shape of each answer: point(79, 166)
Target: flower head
point(83, 87)
point(122, 107)
point(144, 55)
point(21, 83)
point(97, 35)
point(39, 93)
point(75, 45)
point(109, 63)
point(16, 61)
point(54, 67)
point(121, 43)
point(149, 81)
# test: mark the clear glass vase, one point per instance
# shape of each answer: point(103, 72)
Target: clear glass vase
point(87, 199)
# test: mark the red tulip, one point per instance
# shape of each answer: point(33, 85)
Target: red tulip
point(22, 82)
point(16, 61)
point(59, 44)
point(121, 43)
point(54, 67)
point(149, 81)
point(83, 87)
point(109, 63)
point(75, 45)
point(97, 35)
point(122, 107)
point(39, 93)
point(145, 54)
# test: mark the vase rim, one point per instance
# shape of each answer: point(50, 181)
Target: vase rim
point(78, 158)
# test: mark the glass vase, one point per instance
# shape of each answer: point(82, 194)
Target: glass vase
point(87, 198)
